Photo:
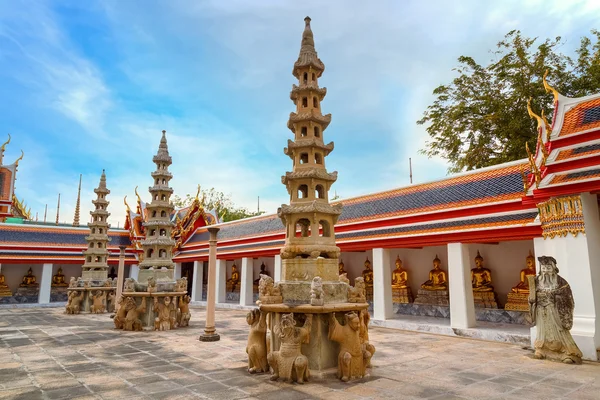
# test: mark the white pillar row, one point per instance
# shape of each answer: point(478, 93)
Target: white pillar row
point(177, 271)
point(462, 306)
point(221, 281)
point(577, 259)
point(277, 268)
point(134, 271)
point(247, 281)
point(45, 284)
point(197, 282)
point(382, 285)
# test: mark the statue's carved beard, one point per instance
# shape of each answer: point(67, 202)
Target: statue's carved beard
point(548, 280)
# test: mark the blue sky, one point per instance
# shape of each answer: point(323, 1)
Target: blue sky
point(87, 85)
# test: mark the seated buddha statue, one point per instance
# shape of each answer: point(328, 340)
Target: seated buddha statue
point(263, 271)
point(437, 277)
point(399, 276)
point(29, 279)
point(481, 277)
point(523, 285)
point(341, 269)
point(367, 273)
point(59, 278)
point(235, 278)
point(2, 283)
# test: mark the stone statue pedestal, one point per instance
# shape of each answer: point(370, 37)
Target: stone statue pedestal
point(517, 302)
point(232, 288)
point(149, 316)
point(435, 297)
point(402, 295)
point(88, 301)
point(27, 294)
point(160, 275)
point(5, 291)
point(485, 299)
point(58, 293)
point(298, 273)
point(321, 352)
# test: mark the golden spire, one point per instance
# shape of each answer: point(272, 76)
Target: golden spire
point(539, 120)
point(550, 88)
point(198, 193)
point(126, 205)
point(19, 159)
point(58, 209)
point(138, 199)
point(77, 204)
point(2, 148)
point(525, 181)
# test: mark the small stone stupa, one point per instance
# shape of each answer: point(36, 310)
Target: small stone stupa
point(94, 290)
point(311, 299)
point(157, 300)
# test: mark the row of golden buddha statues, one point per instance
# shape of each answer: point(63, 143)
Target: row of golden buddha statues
point(233, 284)
point(435, 289)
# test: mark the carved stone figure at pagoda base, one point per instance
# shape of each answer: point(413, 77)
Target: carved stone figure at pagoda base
point(365, 318)
point(268, 291)
point(98, 302)
point(518, 296)
point(352, 358)
point(59, 279)
point(74, 302)
point(435, 289)
point(551, 307)
point(165, 318)
point(401, 293)
point(233, 283)
point(257, 342)
point(289, 363)
point(481, 280)
point(29, 280)
point(184, 315)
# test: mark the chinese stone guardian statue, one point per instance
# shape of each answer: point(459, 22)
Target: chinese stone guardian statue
point(551, 306)
point(289, 363)
point(257, 341)
point(98, 302)
point(353, 356)
point(184, 315)
point(163, 320)
point(74, 302)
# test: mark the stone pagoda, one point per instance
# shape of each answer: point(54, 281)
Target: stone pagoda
point(305, 308)
point(158, 245)
point(157, 301)
point(94, 291)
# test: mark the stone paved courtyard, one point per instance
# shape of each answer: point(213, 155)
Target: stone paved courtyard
point(45, 354)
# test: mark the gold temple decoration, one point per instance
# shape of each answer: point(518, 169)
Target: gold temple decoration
point(3, 147)
point(561, 215)
point(534, 168)
point(19, 159)
point(525, 181)
point(19, 204)
point(126, 205)
point(548, 127)
point(550, 88)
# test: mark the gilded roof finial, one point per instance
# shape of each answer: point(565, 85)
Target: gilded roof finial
point(19, 159)
point(550, 88)
point(138, 197)
point(77, 204)
point(3, 147)
point(126, 205)
point(198, 192)
point(525, 181)
point(534, 115)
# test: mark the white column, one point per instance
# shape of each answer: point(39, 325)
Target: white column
point(462, 306)
point(277, 268)
point(382, 285)
point(247, 281)
point(134, 270)
point(177, 272)
point(221, 281)
point(197, 281)
point(45, 284)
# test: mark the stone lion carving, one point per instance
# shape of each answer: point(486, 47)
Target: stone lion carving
point(257, 341)
point(289, 363)
point(181, 285)
point(132, 320)
point(344, 278)
point(98, 302)
point(164, 320)
point(358, 293)
point(365, 318)
point(74, 302)
point(184, 315)
point(316, 291)
point(352, 358)
point(268, 291)
point(129, 285)
point(73, 282)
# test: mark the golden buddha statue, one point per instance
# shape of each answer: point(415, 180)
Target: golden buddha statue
point(481, 277)
point(399, 276)
point(367, 273)
point(263, 271)
point(341, 269)
point(4, 289)
point(233, 282)
point(437, 277)
point(59, 278)
point(523, 285)
point(29, 279)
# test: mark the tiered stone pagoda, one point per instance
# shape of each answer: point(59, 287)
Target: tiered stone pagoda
point(311, 299)
point(94, 291)
point(157, 301)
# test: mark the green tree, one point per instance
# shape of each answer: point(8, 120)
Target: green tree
point(480, 119)
point(214, 200)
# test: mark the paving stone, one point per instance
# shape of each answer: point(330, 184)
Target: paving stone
point(68, 392)
point(156, 387)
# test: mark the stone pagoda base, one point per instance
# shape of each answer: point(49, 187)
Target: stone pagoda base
point(402, 295)
point(297, 276)
point(160, 275)
point(517, 302)
point(485, 299)
point(58, 293)
point(435, 297)
point(321, 352)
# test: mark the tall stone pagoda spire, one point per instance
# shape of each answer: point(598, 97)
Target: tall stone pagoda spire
point(96, 255)
point(158, 245)
point(77, 205)
point(309, 214)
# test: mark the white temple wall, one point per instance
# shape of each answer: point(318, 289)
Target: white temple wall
point(505, 260)
point(13, 273)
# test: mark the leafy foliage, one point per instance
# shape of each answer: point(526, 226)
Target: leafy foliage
point(214, 200)
point(480, 119)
